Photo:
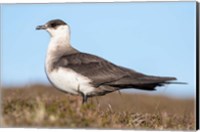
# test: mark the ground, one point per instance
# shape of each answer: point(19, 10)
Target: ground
point(45, 106)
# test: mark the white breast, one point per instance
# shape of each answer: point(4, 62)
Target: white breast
point(64, 78)
point(70, 81)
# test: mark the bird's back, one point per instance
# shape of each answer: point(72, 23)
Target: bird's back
point(104, 73)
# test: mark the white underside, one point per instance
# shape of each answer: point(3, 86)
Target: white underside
point(69, 81)
point(64, 78)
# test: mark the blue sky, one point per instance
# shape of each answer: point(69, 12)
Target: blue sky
point(155, 38)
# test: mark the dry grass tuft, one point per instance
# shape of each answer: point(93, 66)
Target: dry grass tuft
point(43, 106)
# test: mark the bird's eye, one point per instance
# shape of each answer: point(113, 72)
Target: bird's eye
point(53, 25)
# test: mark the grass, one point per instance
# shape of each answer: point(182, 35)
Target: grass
point(44, 106)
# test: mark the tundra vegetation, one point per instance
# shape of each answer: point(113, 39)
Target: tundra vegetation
point(46, 107)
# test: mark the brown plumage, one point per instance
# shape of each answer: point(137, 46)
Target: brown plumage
point(106, 74)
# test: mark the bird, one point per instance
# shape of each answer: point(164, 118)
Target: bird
point(88, 75)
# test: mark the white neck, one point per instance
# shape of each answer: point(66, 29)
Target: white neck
point(60, 38)
point(59, 43)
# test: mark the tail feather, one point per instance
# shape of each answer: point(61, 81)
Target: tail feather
point(176, 83)
point(144, 83)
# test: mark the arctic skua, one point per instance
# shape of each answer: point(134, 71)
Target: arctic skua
point(88, 75)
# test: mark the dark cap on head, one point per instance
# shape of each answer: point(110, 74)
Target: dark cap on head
point(52, 24)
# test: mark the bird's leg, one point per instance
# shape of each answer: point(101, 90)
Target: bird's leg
point(82, 94)
point(84, 99)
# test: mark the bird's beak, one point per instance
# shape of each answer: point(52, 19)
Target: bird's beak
point(41, 27)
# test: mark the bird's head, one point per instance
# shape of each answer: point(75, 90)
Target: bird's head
point(55, 28)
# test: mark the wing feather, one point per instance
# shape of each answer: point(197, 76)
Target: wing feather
point(104, 72)
point(100, 70)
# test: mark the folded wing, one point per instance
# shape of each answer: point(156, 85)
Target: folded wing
point(105, 73)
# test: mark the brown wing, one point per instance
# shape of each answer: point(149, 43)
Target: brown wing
point(105, 73)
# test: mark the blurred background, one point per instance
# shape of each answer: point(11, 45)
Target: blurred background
point(155, 38)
